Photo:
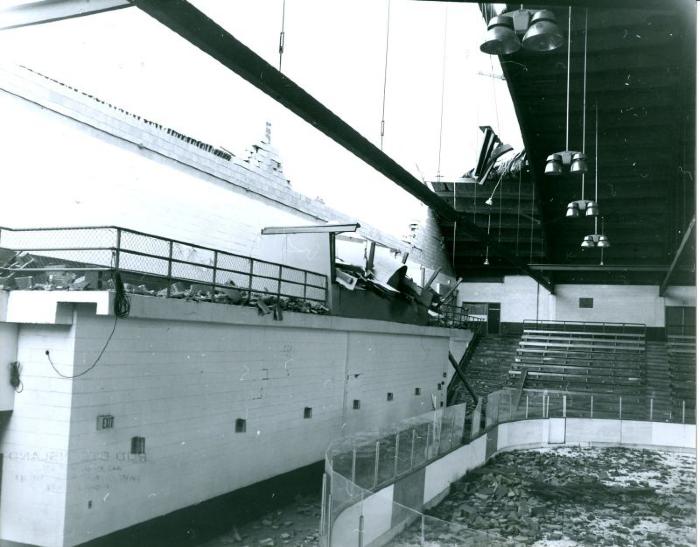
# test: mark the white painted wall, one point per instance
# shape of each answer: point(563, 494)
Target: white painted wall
point(179, 374)
point(36, 439)
point(518, 297)
point(94, 165)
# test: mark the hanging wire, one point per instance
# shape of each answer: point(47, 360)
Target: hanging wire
point(595, 197)
point(517, 225)
point(568, 80)
point(500, 205)
point(442, 94)
point(281, 45)
point(495, 99)
point(386, 70)
point(488, 234)
point(585, 78)
point(532, 219)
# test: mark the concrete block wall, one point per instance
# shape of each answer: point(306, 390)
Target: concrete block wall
point(35, 439)
point(102, 165)
point(179, 374)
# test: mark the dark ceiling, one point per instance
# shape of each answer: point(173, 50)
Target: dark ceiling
point(641, 70)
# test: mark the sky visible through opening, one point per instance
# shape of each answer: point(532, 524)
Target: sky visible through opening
point(333, 49)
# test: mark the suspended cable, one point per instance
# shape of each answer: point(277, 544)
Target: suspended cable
point(517, 226)
point(568, 79)
point(500, 209)
point(281, 44)
point(386, 70)
point(595, 198)
point(532, 219)
point(442, 94)
point(585, 78)
point(495, 99)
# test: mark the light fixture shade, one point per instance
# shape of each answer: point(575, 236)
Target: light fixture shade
point(543, 33)
point(572, 210)
point(578, 163)
point(554, 165)
point(592, 209)
point(489, 201)
point(486, 261)
point(500, 38)
point(588, 242)
point(603, 241)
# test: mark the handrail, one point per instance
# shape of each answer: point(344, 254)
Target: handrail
point(208, 271)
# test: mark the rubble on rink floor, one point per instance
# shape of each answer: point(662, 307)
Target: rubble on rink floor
point(572, 496)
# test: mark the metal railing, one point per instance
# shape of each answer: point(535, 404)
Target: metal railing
point(361, 465)
point(55, 256)
point(457, 317)
point(593, 327)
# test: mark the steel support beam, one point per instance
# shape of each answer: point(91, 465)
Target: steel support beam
point(204, 33)
point(679, 252)
point(607, 4)
point(47, 11)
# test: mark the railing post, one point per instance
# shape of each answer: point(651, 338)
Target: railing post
point(170, 267)
point(360, 531)
point(563, 402)
point(213, 276)
point(279, 282)
point(353, 468)
point(544, 409)
point(651, 410)
point(591, 406)
point(376, 463)
point(422, 529)
point(527, 406)
point(452, 431)
point(620, 410)
point(324, 487)
point(306, 276)
point(250, 280)
point(427, 441)
point(396, 454)
point(119, 248)
point(329, 528)
point(682, 412)
point(413, 444)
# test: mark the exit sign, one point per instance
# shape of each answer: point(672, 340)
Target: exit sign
point(105, 421)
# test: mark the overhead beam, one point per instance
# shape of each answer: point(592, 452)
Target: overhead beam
point(679, 252)
point(47, 11)
point(313, 229)
point(598, 268)
point(618, 4)
point(204, 33)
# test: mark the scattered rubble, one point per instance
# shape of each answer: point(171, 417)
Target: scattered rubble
point(72, 277)
point(574, 496)
point(295, 525)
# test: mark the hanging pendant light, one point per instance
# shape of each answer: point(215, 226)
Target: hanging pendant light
point(572, 210)
point(500, 37)
point(592, 209)
point(486, 260)
point(578, 163)
point(569, 160)
point(543, 34)
point(588, 242)
point(603, 241)
point(554, 165)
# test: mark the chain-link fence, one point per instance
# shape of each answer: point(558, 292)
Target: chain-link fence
point(86, 258)
point(358, 468)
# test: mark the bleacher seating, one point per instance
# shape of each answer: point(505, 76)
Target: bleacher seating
point(681, 360)
point(581, 358)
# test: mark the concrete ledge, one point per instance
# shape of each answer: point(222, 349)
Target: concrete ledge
point(49, 307)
